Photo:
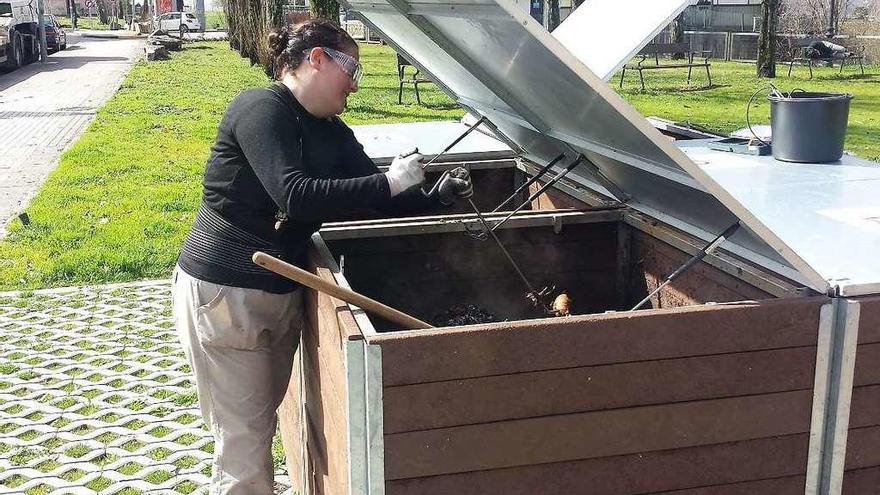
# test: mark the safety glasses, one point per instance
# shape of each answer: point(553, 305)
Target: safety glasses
point(346, 62)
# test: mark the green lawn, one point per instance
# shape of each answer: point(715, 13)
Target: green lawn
point(215, 19)
point(723, 107)
point(123, 197)
point(84, 22)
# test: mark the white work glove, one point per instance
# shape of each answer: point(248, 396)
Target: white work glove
point(405, 172)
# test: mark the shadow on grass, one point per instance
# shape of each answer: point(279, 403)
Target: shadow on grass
point(367, 110)
point(664, 90)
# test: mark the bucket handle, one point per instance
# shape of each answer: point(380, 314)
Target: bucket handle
point(775, 92)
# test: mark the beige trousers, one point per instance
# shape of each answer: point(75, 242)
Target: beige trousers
point(240, 344)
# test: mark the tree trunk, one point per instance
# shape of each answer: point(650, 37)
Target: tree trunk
point(678, 35)
point(553, 14)
point(767, 39)
point(103, 16)
point(326, 9)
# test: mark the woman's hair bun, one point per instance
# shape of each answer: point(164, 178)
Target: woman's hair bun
point(288, 44)
point(278, 40)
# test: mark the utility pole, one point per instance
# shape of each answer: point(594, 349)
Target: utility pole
point(832, 19)
point(44, 53)
point(200, 13)
point(73, 15)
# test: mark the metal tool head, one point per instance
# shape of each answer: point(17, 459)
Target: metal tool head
point(542, 299)
point(477, 233)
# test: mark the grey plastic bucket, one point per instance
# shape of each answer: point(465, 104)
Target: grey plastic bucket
point(808, 127)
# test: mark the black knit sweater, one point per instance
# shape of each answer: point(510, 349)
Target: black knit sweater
point(271, 155)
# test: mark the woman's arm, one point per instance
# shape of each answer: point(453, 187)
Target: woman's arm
point(268, 136)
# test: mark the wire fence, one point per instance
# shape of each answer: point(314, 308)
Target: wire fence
point(743, 46)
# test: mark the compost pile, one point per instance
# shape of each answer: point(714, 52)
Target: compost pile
point(463, 314)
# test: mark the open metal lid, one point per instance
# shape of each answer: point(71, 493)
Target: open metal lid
point(497, 61)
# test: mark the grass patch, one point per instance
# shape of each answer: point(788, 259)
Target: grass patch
point(77, 451)
point(84, 22)
point(215, 19)
point(99, 483)
point(41, 489)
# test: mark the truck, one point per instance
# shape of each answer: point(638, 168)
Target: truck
point(19, 40)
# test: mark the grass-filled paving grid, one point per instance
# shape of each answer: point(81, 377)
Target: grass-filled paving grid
point(97, 397)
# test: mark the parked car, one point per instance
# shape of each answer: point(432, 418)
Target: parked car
point(171, 21)
point(56, 38)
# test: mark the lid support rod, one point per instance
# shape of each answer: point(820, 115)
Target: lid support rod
point(533, 294)
point(607, 183)
point(690, 263)
point(540, 191)
point(529, 182)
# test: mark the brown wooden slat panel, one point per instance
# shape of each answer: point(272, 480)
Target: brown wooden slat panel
point(867, 367)
point(862, 482)
point(428, 265)
point(702, 283)
point(316, 301)
point(595, 434)
point(863, 447)
point(502, 348)
point(290, 422)
point(869, 320)
point(791, 485)
point(326, 412)
point(553, 198)
point(734, 462)
point(325, 390)
point(526, 395)
point(865, 408)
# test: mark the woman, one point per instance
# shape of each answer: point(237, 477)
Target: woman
point(282, 163)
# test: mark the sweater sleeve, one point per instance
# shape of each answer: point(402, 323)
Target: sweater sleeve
point(410, 201)
point(268, 136)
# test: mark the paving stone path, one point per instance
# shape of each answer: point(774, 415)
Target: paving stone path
point(96, 395)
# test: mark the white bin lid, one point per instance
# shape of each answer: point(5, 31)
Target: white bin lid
point(382, 142)
point(497, 61)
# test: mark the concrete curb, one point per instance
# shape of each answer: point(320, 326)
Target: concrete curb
point(126, 35)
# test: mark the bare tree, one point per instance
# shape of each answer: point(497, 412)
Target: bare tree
point(249, 23)
point(677, 34)
point(767, 39)
point(325, 9)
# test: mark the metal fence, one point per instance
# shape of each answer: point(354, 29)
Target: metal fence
point(743, 46)
point(715, 43)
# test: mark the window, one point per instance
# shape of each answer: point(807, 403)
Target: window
point(190, 16)
point(175, 16)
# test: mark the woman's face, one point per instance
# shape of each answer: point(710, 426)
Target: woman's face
point(332, 84)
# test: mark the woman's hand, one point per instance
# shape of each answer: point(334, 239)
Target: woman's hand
point(405, 172)
point(455, 184)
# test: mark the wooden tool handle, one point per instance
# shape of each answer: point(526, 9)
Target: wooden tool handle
point(317, 283)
